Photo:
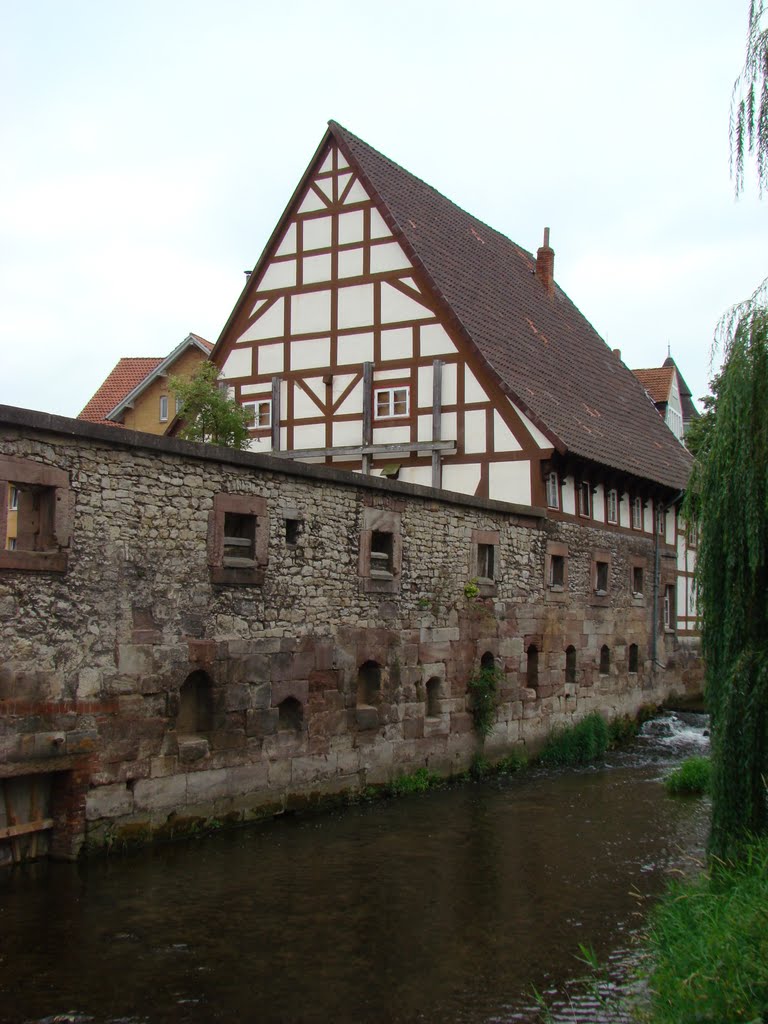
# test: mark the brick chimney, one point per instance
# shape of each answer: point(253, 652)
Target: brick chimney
point(545, 264)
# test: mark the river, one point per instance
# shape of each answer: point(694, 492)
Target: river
point(451, 906)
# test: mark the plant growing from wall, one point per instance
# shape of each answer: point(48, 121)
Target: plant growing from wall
point(483, 686)
point(207, 412)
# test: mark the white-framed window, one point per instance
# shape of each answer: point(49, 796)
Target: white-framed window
point(389, 403)
point(13, 498)
point(669, 607)
point(612, 506)
point(178, 406)
point(553, 490)
point(163, 408)
point(259, 414)
point(585, 499)
point(637, 513)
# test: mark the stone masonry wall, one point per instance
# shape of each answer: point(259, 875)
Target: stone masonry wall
point(95, 661)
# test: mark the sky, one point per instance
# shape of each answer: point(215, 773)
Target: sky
point(148, 149)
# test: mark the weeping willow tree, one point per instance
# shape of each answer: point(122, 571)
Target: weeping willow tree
point(728, 499)
point(749, 102)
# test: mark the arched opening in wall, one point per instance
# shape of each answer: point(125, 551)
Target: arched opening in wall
point(633, 657)
point(605, 660)
point(290, 715)
point(369, 683)
point(433, 696)
point(532, 672)
point(195, 705)
point(570, 664)
point(487, 662)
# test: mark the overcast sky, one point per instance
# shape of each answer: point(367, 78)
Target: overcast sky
point(147, 150)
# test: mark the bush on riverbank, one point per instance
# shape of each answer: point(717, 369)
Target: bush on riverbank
point(708, 946)
point(577, 744)
point(690, 779)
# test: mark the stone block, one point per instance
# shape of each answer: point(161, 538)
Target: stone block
point(160, 794)
point(306, 771)
point(108, 801)
point(193, 749)
point(290, 666)
point(366, 718)
point(296, 688)
point(261, 723)
point(461, 722)
point(135, 660)
point(82, 741)
point(413, 728)
point(237, 697)
point(207, 785)
point(246, 778)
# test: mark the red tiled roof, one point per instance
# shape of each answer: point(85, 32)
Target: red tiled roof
point(542, 349)
point(206, 344)
point(127, 375)
point(657, 381)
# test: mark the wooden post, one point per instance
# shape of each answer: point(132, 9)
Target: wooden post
point(275, 414)
point(437, 402)
point(367, 414)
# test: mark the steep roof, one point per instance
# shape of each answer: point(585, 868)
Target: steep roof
point(543, 351)
point(690, 412)
point(127, 375)
point(164, 366)
point(657, 380)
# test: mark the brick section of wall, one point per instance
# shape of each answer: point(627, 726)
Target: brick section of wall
point(94, 661)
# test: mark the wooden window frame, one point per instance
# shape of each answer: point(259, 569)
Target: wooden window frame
point(600, 596)
point(584, 495)
point(612, 491)
point(552, 487)
point(257, 406)
point(487, 585)
point(390, 393)
point(374, 580)
point(637, 502)
point(163, 408)
point(555, 591)
point(253, 573)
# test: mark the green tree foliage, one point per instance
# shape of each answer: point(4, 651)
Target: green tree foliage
point(207, 413)
point(749, 103)
point(729, 501)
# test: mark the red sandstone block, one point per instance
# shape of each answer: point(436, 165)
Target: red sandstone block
point(461, 723)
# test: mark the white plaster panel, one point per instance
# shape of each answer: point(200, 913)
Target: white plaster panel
point(391, 435)
point(288, 244)
point(396, 307)
point(424, 428)
point(351, 227)
point(278, 275)
point(339, 384)
point(448, 426)
point(690, 560)
point(388, 256)
point(410, 283)
point(270, 358)
point(568, 496)
point(261, 445)
point(303, 406)
point(681, 601)
point(533, 430)
point(473, 392)
point(648, 517)
point(357, 194)
point(397, 344)
point(316, 386)
point(380, 375)
point(257, 306)
point(351, 263)
point(449, 391)
point(347, 432)
point(463, 478)
point(503, 438)
point(355, 348)
point(310, 435)
point(316, 268)
point(669, 527)
point(327, 164)
point(510, 481)
point(416, 475)
point(311, 313)
point(356, 306)
point(314, 352)
point(434, 341)
point(283, 434)
point(239, 363)
point(343, 180)
point(424, 377)
point(263, 390)
point(311, 202)
point(326, 187)
point(269, 324)
point(598, 504)
point(353, 403)
point(474, 431)
point(341, 162)
point(316, 233)
point(379, 227)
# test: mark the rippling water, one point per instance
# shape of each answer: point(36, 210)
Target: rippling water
point(448, 907)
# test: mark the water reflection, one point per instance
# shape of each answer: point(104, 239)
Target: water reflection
point(447, 907)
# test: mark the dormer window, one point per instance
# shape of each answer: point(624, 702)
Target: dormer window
point(612, 506)
point(585, 499)
point(637, 513)
point(391, 403)
point(553, 490)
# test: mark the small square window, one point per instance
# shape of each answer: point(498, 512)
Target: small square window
point(292, 530)
point(259, 414)
point(637, 580)
point(553, 490)
point(612, 506)
point(239, 539)
point(556, 570)
point(37, 531)
point(601, 578)
point(163, 408)
point(390, 403)
point(585, 499)
point(238, 533)
point(485, 561)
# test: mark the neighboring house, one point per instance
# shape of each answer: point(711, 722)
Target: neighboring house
point(670, 394)
point(136, 394)
point(386, 331)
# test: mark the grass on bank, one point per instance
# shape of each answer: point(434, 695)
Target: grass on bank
point(691, 778)
point(708, 946)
